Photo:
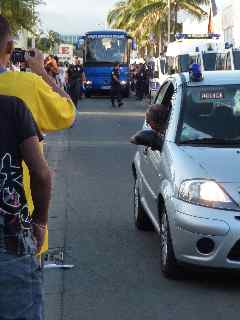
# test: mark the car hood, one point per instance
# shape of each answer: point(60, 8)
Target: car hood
point(220, 164)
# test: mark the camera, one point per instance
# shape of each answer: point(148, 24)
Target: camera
point(18, 55)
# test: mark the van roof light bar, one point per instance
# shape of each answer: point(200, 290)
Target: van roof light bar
point(181, 36)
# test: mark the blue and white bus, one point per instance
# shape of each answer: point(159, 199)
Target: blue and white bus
point(102, 49)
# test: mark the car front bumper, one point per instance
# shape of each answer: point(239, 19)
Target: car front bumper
point(192, 225)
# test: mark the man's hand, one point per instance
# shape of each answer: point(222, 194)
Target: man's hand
point(39, 232)
point(36, 63)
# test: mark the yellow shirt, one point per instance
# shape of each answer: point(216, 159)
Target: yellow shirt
point(50, 111)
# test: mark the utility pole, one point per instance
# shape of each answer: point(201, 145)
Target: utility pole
point(169, 21)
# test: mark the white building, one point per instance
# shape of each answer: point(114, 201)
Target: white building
point(24, 39)
point(231, 22)
point(196, 26)
point(225, 21)
point(21, 40)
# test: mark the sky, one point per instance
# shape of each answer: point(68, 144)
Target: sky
point(77, 16)
point(74, 16)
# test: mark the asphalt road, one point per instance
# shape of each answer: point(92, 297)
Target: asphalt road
point(116, 274)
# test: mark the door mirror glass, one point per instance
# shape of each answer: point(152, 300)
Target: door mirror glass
point(148, 138)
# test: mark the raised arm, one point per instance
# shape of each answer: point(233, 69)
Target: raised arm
point(36, 63)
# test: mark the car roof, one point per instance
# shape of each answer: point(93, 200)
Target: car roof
point(210, 78)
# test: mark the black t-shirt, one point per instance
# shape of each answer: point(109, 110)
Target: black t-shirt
point(115, 73)
point(75, 72)
point(16, 125)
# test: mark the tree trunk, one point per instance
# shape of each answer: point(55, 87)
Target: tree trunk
point(175, 18)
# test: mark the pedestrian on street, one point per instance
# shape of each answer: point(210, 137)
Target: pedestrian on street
point(51, 66)
point(61, 75)
point(76, 81)
point(116, 86)
point(141, 82)
point(21, 236)
point(51, 107)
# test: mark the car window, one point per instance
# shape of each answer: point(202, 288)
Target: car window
point(161, 93)
point(211, 114)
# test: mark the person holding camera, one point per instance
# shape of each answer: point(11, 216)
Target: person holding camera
point(21, 236)
point(51, 107)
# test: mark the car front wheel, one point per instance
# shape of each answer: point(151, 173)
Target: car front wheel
point(141, 219)
point(169, 265)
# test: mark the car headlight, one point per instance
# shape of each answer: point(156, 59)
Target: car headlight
point(206, 193)
point(123, 83)
point(88, 82)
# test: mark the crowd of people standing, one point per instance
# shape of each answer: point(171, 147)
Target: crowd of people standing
point(140, 77)
point(70, 77)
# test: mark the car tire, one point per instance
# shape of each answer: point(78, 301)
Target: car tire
point(169, 266)
point(141, 219)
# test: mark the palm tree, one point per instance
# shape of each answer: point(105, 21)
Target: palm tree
point(142, 17)
point(158, 10)
point(20, 13)
point(53, 39)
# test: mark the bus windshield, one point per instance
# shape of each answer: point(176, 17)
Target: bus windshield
point(106, 50)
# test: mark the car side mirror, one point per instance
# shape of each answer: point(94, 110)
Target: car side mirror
point(148, 138)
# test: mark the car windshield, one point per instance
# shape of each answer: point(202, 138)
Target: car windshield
point(211, 115)
point(106, 50)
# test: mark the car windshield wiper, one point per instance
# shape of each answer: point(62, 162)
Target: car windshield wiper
point(214, 141)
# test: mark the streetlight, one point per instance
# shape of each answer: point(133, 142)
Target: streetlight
point(169, 21)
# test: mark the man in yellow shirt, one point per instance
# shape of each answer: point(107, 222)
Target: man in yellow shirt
point(51, 107)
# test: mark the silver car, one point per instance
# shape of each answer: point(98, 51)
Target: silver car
point(187, 182)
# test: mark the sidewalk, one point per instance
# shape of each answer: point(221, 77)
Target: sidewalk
point(54, 278)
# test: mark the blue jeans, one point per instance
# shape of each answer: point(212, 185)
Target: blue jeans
point(21, 292)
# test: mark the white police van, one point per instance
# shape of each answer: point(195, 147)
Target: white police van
point(207, 50)
point(203, 49)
